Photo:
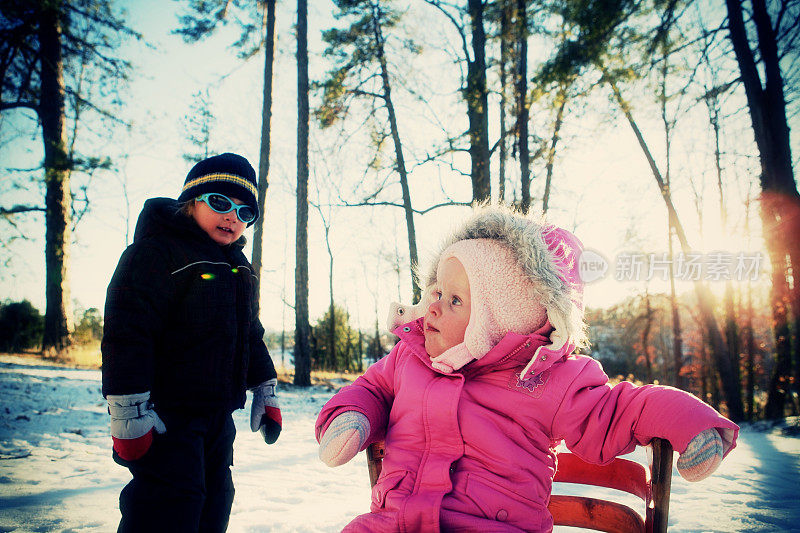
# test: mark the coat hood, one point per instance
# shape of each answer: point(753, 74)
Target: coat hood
point(547, 256)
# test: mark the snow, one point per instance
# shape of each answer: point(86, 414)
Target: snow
point(56, 471)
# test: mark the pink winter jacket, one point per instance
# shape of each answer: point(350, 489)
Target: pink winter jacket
point(474, 450)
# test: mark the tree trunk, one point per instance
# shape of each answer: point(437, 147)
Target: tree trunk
point(779, 301)
point(749, 335)
point(477, 107)
point(376, 351)
point(263, 160)
point(780, 202)
point(400, 159)
point(677, 334)
point(360, 352)
point(648, 320)
point(58, 201)
point(719, 349)
point(332, 363)
point(302, 348)
point(750, 351)
point(506, 16)
point(284, 289)
point(704, 367)
point(283, 340)
point(677, 341)
point(796, 343)
point(522, 105)
point(561, 102)
point(731, 328)
point(350, 352)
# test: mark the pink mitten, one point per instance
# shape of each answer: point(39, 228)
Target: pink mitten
point(701, 457)
point(344, 437)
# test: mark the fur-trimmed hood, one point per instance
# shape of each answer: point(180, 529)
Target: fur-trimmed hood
point(548, 256)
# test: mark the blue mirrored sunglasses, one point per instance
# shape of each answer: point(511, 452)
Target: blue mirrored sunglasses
point(220, 203)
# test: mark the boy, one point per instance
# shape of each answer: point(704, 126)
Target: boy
point(182, 342)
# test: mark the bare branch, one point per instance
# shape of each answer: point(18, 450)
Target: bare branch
point(459, 27)
point(14, 105)
point(358, 92)
point(394, 204)
point(108, 22)
point(20, 209)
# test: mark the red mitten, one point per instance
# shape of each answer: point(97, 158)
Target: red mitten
point(265, 413)
point(133, 421)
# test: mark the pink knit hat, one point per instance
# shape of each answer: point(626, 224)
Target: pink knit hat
point(523, 273)
point(566, 249)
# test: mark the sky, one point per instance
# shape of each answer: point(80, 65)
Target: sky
point(57, 474)
point(603, 188)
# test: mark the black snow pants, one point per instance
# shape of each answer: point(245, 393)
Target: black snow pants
point(183, 483)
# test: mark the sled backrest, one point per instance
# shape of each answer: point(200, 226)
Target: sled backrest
point(651, 484)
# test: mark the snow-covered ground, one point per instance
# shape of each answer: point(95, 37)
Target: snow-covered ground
point(56, 471)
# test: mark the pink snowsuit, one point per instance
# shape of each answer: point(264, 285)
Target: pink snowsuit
point(474, 450)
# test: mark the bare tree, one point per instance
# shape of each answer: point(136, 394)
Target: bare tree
point(478, 106)
point(719, 348)
point(711, 97)
point(363, 63)
point(57, 317)
point(560, 103)
point(198, 124)
point(475, 91)
point(749, 336)
point(506, 8)
point(646, 345)
point(775, 33)
point(302, 348)
point(266, 137)
point(521, 95)
point(47, 50)
point(668, 123)
point(327, 220)
point(257, 24)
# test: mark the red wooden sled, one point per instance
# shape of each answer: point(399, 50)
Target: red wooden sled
point(650, 483)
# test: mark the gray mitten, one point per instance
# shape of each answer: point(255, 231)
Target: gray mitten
point(702, 456)
point(133, 422)
point(265, 413)
point(344, 437)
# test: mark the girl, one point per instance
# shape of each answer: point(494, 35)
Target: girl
point(477, 394)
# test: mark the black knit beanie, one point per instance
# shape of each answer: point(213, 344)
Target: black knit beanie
point(228, 174)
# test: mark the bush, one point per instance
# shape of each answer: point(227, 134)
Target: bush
point(89, 327)
point(21, 326)
point(347, 345)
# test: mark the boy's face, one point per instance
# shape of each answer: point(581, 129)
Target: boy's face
point(448, 316)
point(223, 228)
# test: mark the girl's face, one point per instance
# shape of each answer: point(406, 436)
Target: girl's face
point(448, 316)
point(223, 228)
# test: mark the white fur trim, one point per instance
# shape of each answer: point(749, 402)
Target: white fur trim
point(525, 236)
point(452, 359)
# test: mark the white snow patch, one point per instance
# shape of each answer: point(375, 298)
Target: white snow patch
point(56, 471)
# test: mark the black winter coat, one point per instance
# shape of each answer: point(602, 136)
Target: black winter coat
point(181, 317)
